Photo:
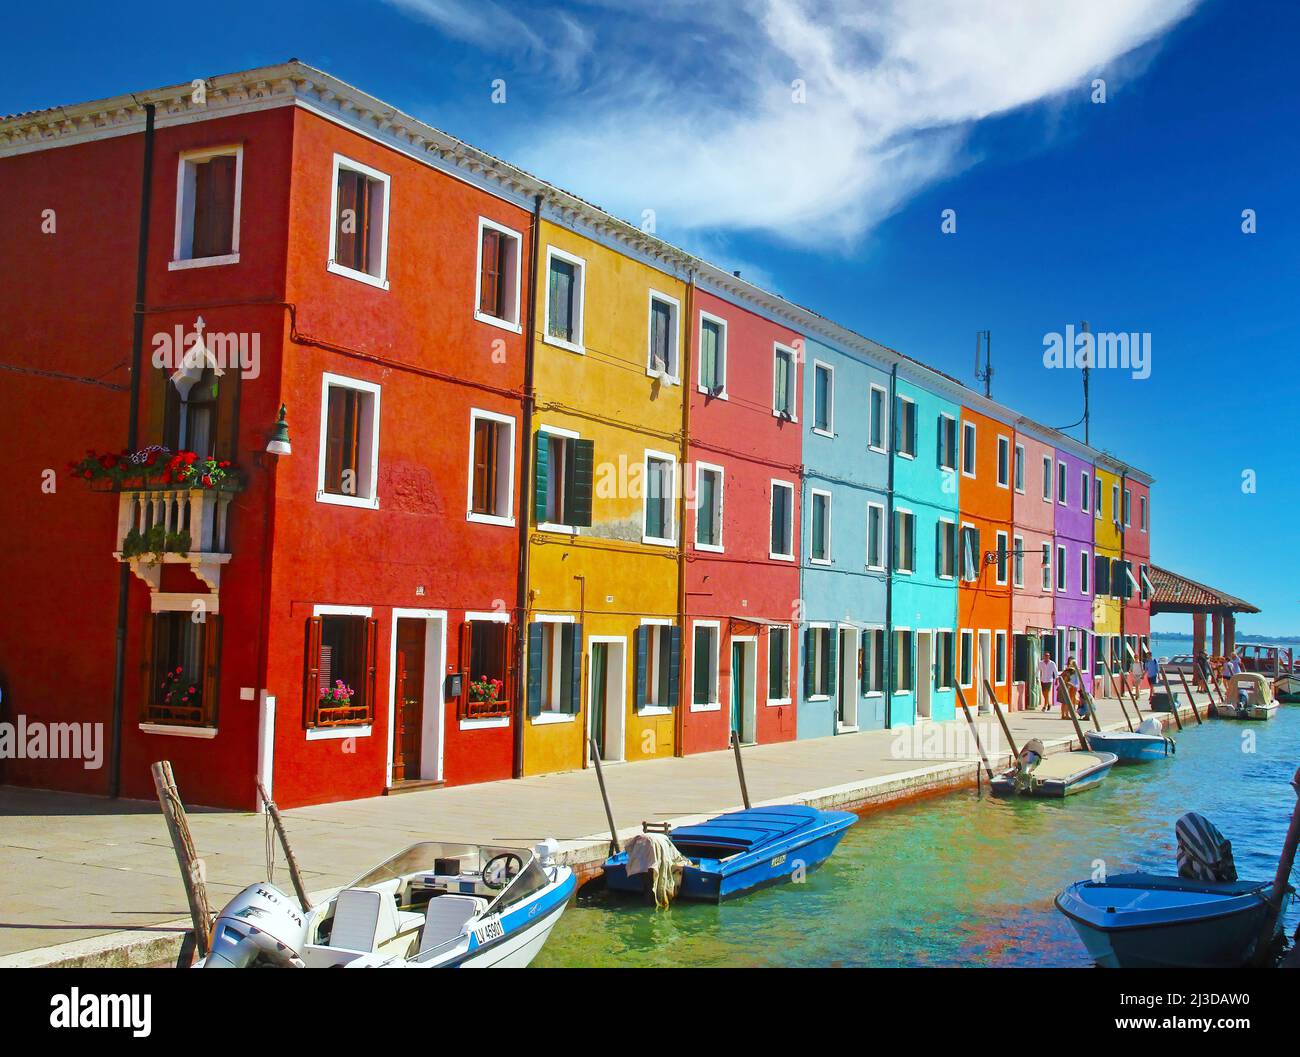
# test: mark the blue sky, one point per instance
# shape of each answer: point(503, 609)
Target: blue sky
point(1127, 213)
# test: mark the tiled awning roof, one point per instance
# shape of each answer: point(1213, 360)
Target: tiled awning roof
point(1174, 593)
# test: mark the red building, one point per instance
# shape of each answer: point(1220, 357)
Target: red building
point(311, 249)
point(744, 460)
point(1135, 511)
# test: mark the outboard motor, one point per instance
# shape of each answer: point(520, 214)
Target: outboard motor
point(261, 925)
point(1204, 854)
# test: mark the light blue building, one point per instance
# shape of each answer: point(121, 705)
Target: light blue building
point(924, 555)
point(844, 578)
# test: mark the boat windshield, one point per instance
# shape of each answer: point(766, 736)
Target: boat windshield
point(439, 857)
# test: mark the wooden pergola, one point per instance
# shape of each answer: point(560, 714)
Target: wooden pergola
point(1177, 594)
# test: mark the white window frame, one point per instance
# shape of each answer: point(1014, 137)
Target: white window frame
point(829, 431)
point(821, 625)
point(1097, 500)
point(334, 733)
point(1004, 461)
point(671, 374)
point(915, 429)
point(869, 632)
point(945, 417)
point(1049, 587)
point(877, 566)
point(720, 546)
point(883, 447)
point(1142, 513)
point(966, 635)
point(961, 552)
point(1062, 483)
point(775, 483)
point(1085, 486)
point(184, 207)
point(1018, 561)
point(956, 549)
point(370, 502)
point(1114, 503)
point(547, 715)
point(911, 660)
point(812, 503)
point(714, 665)
point(1000, 657)
point(380, 281)
point(974, 452)
point(515, 327)
point(652, 666)
point(721, 324)
point(565, 434)
point(508, 518)
point(1062, 569)
point(789, 680)
point(1018, 469)
point(901, 511)
point(1049, 478)
point(1002, 545)
point(553, 253)
point(671, 539)
point(778, 347)
point(1085, 572)
point(1127, 508)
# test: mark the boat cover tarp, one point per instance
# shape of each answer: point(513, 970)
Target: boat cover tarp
point(655, 854)
point(752, 828)
point(1204, 854)
point(1064, 766)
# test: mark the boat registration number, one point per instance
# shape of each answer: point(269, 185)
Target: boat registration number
point(489, 930)
point(778, 860)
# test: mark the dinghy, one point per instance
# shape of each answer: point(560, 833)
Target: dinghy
point(1248, 696)
point(1143, 745)
point(1287, 689)
point(433, 905)
point(1059, 775)
point(740, 851)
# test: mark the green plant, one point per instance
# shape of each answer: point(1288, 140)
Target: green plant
point(157, 541)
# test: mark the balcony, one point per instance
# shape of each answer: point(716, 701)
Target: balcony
point(161, 525)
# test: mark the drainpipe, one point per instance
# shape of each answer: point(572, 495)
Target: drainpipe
point(132, 442)
point(688, 372)
point(525, 499)
point(889, 557)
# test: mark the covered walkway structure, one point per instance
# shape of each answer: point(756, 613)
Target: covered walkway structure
point(1172, 593)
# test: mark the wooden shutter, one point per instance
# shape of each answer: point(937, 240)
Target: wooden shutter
point(149, 676)
point(311, 683)
point(214, 207)
point(485, 466)
point(560, 295)
point(346, 242)
point(211, 668)
point(371, 667)
point(572, 642)
point(466, 652)
point(509, 665)
point(580, 469)
point(536, 644)
point(674, 666)
point(342, 438)
point(832, 653)
point(642, 649)
point(809, 662)
point(489, 298)
point(541, 476)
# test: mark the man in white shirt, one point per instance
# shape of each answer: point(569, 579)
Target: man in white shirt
point(1047, 673)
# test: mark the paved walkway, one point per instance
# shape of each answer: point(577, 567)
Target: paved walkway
point(75, 867)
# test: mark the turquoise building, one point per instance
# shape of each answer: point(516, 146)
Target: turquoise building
point(924, 555)
point(843, 561)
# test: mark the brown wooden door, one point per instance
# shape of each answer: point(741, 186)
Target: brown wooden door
point(408, 719)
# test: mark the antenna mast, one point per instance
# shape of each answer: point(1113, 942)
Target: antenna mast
point(1086, 365)
point(984, 374)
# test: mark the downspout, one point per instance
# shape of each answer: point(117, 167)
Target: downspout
point(688, 372)
point(889, 557)
point(132, 442)
point(525, 498)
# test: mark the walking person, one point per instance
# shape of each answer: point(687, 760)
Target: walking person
point(1047, 673)
point(1153, 676)
point(1073, 686)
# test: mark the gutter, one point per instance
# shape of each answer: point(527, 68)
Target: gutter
point(687, 373)
point(887, 674)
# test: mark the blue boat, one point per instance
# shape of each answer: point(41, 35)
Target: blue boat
point(1140, 746)
point(740, 851)
point(1144, 921)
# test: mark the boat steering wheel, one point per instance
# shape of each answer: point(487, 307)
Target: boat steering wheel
point(510, 863)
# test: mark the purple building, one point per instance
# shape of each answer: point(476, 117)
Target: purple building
point(1072, 557)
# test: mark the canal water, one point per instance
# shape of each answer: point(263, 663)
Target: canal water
point(966, 881)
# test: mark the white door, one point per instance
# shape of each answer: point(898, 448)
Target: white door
point(847, 688)
point(607, 694)
point(986, 668)
point(924, 673)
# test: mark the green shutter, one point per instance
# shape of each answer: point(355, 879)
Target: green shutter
point(808, 662)
point(541, 477)
point(674, 666)
point(578, 484)
point(571, 650)
point(709, 356)
point(832, 652)
point(642, 640)
point(535, 632)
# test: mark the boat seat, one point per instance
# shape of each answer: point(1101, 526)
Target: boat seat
point(356, 919)
point(445, 918)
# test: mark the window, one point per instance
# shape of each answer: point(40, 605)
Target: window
point(563, 469)
point(945, 562)
point(903, 670)
point(554, 668)
point(1018, 560)
point(944, 660)
point(1127, 503)
point(778, 665)
point(1047, 566)
point(968, 449)
point(1142, 513)
point(704, 693)
point(970, 553)
point(783, 383)
point(1085, 569)
point(904, 541)
point(947, 456)
point(873, 661)
point(190, 414)
point(823, 399)
point(660, 489)
point(182, 688)
point(879, 425)
point(342, 651)
point(486, 648)
point(1047, 478)
point(1096, 498)
point(1101, 580)
point(1099, 656)
point(999, 658)
point(1061, 483)
point(1117, 585)
point(1114, 503)
point(498, 274)
point(492, 460)
point(820, 536)
point(819, 662)
point(708, 507)
point(359, 231)
point(662, 360)
point(1018, 475)
point(658, 648)
point(1004, 462)
point(1002, 558)
point(349, 442)
point(782, 521)
point(967, 657)
point(208, 186)
point(1060, 568)
point(875, 536)
point(1144, 593)
point(1085, 479)
point(905, 427)
point(713, 355)
point(566, 279)
point(1020, 658)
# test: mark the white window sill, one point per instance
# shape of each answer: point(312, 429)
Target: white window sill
point(778, 702)
point(560, 343)
point(494, 321)
point(819, 697)
point(334, 499)
point(203, 262)
point(177, 730)
point(662, 376)
point(715, 707)
point(490, 519)
point(485, 724)
point(658, 541)
point(1004, 487)
point(846, 728)
point(878, 451)
point(947, 469)
point(819, 561)
point(362, 730)
point(551, 526)
point(654, 710)
point(546, 718)
point(945, 576)
point(903, 572)
point(720, 395)
point(784, 415)
point(362, 277)
point(876, 569)
point(902, 693)
point(780, 557)
point(965, 473)
point(874, 693)
point(823, 432)
point(711, 548)
point(905, 454)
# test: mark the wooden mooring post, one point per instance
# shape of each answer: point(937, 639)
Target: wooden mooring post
point(614, 846)
point(997, 710)
point(1119, 695)
point(178, 826)
point(740, 769)
point(295, 876)
point(1208, 693)
point(978, 744)
point(1069, 705)
point(1169, 692)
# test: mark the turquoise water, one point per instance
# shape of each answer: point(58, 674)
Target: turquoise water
point(958, 880)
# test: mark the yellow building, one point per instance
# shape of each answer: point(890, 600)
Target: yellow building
point(603, 498)
point(1108, 549)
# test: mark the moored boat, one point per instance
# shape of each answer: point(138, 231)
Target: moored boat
point(1149, 742)
point(1059, 775)
point(1248, 696)
point(1287, 689)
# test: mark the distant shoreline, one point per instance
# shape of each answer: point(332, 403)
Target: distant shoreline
point(1268, 640)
